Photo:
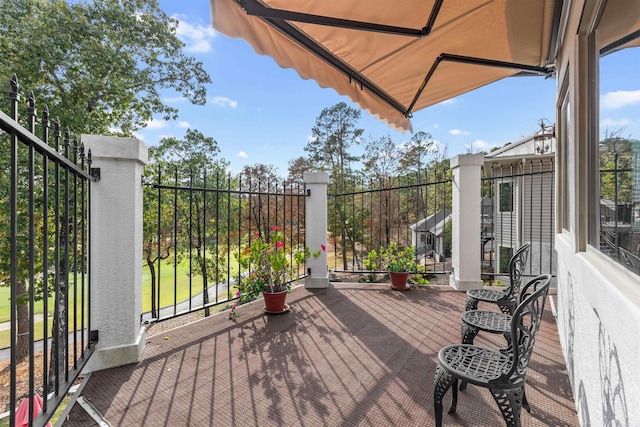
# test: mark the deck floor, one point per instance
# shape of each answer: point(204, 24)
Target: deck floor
point(349, 355)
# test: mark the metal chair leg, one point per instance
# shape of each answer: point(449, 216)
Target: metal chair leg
point(472, 303)
point(509, 402)
point(442, 381)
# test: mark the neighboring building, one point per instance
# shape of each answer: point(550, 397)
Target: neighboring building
point(427, 235)
point(522, 178)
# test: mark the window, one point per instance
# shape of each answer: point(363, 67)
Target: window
point(618, 155)
point(566, 153)
point(506, 197)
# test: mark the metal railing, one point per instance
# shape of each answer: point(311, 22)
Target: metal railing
point(195, 224)
point(620, 213)
point(518, 206)
point(406, 210)
point(44, 221)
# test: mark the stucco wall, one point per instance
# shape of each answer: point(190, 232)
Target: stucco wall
point(598, 323)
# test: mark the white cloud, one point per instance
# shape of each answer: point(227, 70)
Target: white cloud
point(619, 99)
point(311, 138)
point(156, 124)
point(138, 135)
point(184, 125)
point(459, 132)
point(174, 99)
point(197, 37)
point(223, 101)
point(448, 101)
point(242, 154)
point(479, 145)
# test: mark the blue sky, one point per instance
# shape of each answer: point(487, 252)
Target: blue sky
point(261, 113)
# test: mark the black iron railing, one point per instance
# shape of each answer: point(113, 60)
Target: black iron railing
point(411, 210)
point(620, 213)
point(44, 221)
point(518, 206)
point(196, 223)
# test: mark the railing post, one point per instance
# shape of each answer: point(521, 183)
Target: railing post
point(316, 228)
point(116, 209)
point(466, 227)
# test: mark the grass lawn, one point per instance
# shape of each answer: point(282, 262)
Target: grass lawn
point(5, 309)
point(167, 277)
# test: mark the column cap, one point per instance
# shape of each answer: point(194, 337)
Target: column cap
point(466, 160)
point(114, 147)
point(315, 177)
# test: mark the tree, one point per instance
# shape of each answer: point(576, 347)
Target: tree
point(194, 163)
point(98, 65)
point(297, 167)
point(414, 155)
point(332, 135)
point(259, 179)
point(381, 158)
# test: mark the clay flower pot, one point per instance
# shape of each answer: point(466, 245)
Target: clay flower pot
point(399, 281)
point(274, 302)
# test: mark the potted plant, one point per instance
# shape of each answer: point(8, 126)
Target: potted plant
point(398, 262)
point(269, 270)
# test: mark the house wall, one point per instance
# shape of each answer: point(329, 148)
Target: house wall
point(598, 301)
point(505, 225)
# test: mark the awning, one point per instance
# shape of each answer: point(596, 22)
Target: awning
point(397, 57)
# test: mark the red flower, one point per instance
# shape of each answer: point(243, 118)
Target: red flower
point(256, 234)
point(274, 228)
point(323, 247)
point(279, 245)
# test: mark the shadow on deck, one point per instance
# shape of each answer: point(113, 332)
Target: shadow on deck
point(344, 356)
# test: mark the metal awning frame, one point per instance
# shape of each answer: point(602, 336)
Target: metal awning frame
point(277, 18)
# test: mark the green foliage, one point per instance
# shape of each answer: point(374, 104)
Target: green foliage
point(269, 267)
point(615, 151)
point(447, 232)
point(392, 258)
point(98, 65)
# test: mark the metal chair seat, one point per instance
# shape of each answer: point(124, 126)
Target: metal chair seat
point(475, 321)
point(487, 295)
point(476, 365)
point(479, 320)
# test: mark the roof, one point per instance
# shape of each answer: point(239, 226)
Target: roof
point(432, 222)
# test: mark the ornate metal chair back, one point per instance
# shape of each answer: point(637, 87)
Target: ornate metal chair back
point(517, 264)
point(525, 324)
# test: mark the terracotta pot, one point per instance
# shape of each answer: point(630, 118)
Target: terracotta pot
point(274, 302)
point(399, 281)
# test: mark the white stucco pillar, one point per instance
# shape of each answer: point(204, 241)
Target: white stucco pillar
point(465, 238)
point(316, 228)
point(116, 249)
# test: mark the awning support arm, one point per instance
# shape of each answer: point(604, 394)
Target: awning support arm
point(252, 7)
point(544, 71)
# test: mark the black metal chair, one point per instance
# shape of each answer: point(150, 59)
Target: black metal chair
point(474, 321)
point(502, 371)
point(507, 299)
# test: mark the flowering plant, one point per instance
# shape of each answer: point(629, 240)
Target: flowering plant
point(270, 268)
point(392, 259)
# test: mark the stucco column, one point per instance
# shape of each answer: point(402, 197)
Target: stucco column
point(316, 228)
point(116, 249)
point(465, 238)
